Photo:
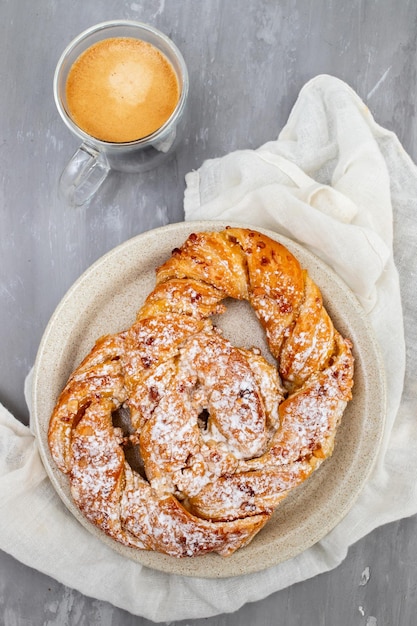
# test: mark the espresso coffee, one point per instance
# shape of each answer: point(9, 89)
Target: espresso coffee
point(121, 89)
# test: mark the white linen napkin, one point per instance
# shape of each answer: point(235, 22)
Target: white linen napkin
point(332, 180)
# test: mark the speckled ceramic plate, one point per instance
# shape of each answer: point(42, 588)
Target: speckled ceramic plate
point(105, 299)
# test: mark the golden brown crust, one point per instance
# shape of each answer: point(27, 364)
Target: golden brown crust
point(223, 435)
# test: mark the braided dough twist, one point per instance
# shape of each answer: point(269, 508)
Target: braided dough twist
point(223, 435)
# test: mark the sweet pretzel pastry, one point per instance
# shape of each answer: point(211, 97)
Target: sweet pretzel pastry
point(176, 441)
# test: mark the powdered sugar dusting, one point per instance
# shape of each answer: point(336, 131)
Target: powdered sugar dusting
point(223, 435)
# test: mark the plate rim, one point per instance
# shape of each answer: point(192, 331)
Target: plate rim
point(219, 566)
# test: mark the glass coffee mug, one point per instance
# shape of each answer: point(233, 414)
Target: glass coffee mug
point(95, 157)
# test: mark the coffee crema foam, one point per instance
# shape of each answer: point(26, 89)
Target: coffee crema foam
point(121, 89)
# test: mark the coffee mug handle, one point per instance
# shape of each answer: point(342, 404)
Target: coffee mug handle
point(83, 175)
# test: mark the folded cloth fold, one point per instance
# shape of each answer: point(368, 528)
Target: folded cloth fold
point(336, 182)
